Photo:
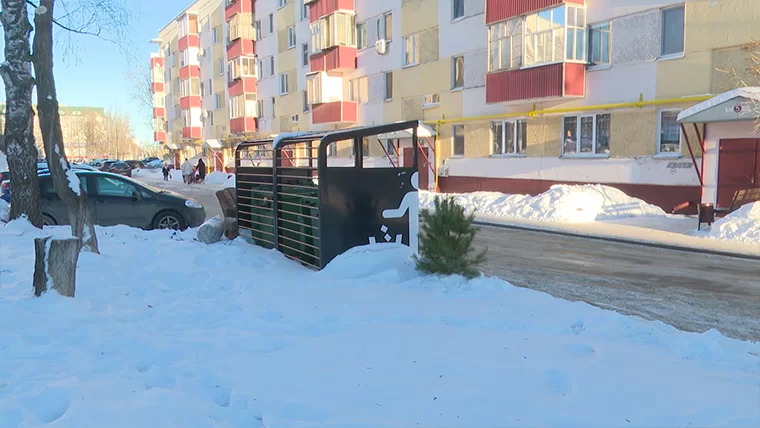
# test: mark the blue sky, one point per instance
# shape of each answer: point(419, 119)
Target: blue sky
point(95, 75)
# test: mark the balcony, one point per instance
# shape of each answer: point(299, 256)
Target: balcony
point(336, 112)
point(159, 112)
point(189, 41)
point(499, 10)
point(189, 71)
point(237, 6)
point(240, 47)
point(548, 81)
point(156, 61)
point(243, 85)
point(321, 8)
point(337, 59)
point(189, 102)
point(157, 87)
point(242, 124)
point(192, 133)
point(159, 136)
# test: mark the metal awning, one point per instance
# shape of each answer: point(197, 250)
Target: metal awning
point(172, 146)
point(423, 131)
point(737, 104)
point(212, 144)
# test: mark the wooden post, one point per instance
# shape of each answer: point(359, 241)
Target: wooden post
point(55, 265)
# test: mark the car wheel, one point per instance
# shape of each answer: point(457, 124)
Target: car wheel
point(48, 221)
point(169, 220)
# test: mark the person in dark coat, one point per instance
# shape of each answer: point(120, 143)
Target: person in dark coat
point(201, 170)
point(165, 171)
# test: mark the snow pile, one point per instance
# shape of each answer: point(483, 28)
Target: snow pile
point(742, 225)
point(561, 203)
point(176, 175)
point(210, 335)
point(230, 182)
point(4, 209)
point(217, 177)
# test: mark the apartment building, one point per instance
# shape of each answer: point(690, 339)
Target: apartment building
point(518, 95)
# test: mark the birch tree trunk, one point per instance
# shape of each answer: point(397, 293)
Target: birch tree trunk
point(16, 73)
point(66, 183)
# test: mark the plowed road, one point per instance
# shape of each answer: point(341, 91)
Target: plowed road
point(689, 291)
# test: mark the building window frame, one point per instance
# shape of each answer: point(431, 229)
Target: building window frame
point(664, 32)
point(283, 83)
point(673, 112)
point(271, 23)
point(512, 136)
point(457, 141)
point(411, 50)
point(305, 54)
point(431, 101)
point(281, 3)
point(457, 10)
point(304, 11)
point(505, 39)
point(291, 37)
point(457, 75)
point(600, 51)
point(597, 136)
point(361, 35)
point(388, 85)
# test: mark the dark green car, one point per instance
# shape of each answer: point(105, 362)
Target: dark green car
point(115, 199)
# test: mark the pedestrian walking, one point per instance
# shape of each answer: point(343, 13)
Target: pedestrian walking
point(165, 171)
point(201, 170)
point(187, 171)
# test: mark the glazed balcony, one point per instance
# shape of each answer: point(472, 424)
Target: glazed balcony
point(336, 112)
point(237, 6)
point(336, 59)
point(192, 132)
point(499, 10)
point(548, 81)
point(242, 85)
point(242, 125)
point(240, 47)
point(321, 8)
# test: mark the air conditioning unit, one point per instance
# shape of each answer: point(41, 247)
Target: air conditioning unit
point(381, 47)
point(294, 118)
point(200, 52)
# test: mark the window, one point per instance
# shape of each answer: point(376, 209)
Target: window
point(412, 50)
point(389, 85)
point(281, 3)
point(457, 72)
point(457, 9)
point(669, 141)
point(586, 135)
point(47, 189)
point(304, 54)
point(215, 35)
point(457, 140)
point(283, 84)
point(274, 104)
point(599, 44)
point(545, 36)
point(271, 23)
point(245, 105)
point(190, 87)
point(257, 30)
point(291, 37)
point(672, 31)
point(304, 11)
point(210, 115)
point(361, 35)
point(305, 101)
point(509, 137)
point(271, 66)
point(332, 149)
point(385, 30)
point(432, 100)
point(241, 67)
point(505, 45)
point(576, 34)
point(109, 186)
point(218, 101)
point(220, 66)
point(260, 108)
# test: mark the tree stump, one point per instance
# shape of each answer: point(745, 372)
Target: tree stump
point(55, 265)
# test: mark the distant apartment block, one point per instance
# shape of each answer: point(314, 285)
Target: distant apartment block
point(518, 94)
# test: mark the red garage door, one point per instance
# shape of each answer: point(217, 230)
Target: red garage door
point(738, 168)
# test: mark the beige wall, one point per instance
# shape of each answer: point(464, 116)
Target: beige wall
point(418, 15)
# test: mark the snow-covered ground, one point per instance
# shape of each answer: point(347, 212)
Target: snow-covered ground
point(568, 207)
point(165, 331)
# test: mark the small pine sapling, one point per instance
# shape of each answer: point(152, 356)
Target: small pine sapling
point(446, 239)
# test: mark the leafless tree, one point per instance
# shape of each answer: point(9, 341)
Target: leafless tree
point(65, 181)
point(18, 136)
point(139, 77)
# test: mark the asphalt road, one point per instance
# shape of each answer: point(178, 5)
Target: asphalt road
point(689, 291)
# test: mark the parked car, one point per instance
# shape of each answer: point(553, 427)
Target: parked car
point(5, 178)
point(134, 164)
point(117, 167)
point(115, 199)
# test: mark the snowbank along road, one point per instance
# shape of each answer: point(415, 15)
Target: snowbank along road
point(689, 291)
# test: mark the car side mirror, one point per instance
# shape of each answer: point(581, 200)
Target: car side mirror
point(136, 196)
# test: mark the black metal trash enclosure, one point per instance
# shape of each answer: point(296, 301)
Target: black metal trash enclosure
point(312, 197)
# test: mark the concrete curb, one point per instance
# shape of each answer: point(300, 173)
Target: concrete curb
point(684, 249)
